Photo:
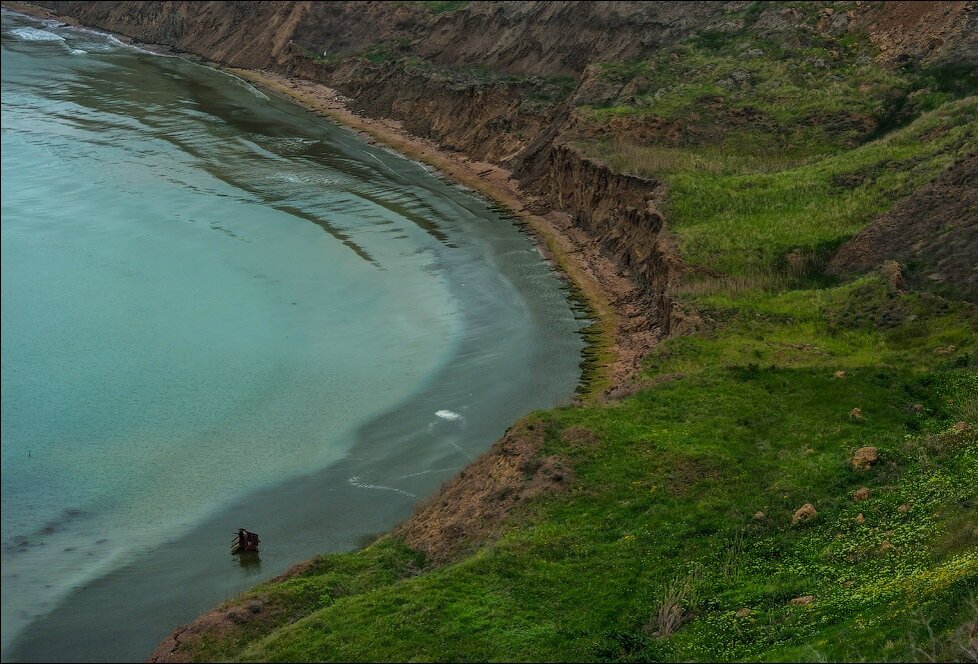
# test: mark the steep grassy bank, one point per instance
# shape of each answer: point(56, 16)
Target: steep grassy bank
point(656, 552)
point(681, 531)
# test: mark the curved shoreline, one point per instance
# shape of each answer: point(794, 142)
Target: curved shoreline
point(385, 506)
point(596, 284)
point(611, 355)
point(601, 350)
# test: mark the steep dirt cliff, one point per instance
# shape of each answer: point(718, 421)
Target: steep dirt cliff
point(507, 82)
point(620, 212)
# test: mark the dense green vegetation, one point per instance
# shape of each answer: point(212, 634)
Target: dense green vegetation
point(811, 209)
point(822, 135)
point(656, 548)
point(758, 99)
point(677, 537)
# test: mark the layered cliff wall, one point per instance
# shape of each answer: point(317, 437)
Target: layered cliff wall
point(505, 82)
point(621, 213)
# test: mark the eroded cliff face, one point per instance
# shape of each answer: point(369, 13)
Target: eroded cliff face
point(501, 82)
point(621, 213)
point(517, 38)
point(488, 121)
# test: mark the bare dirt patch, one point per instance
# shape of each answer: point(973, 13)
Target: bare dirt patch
point(472, 507)
point(933, 232)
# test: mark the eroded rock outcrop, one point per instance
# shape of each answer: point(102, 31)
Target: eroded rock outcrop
point(933, 232)
point(471, 507)
point(621, 213)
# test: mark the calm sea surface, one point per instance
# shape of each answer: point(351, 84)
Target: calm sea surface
point(219, 310)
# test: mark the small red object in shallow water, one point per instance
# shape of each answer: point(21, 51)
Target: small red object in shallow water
point(245, 542)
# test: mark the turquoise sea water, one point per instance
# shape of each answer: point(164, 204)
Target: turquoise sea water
point(219, 310)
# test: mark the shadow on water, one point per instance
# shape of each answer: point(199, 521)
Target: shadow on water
point(250, 561)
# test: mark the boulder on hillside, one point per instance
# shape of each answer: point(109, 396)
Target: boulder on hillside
point(865, 458)
point(804, 513)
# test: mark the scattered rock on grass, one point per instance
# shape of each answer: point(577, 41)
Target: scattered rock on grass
point(759, 516)
point(804, 513)
point(887, 547)
point(862, 493)
point(839, 374)
point(743, 612)
point(856, 414)
point(864, 458)
point(860, 519)
point(803, 600)
point(904, 508)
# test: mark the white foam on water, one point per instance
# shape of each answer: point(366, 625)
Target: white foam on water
point(379, 161)
point(302, 179)
point(355, 481)
point(118, 42)
point(36, 34)
point(252, 89)
point(448, 415)
point(108, 41)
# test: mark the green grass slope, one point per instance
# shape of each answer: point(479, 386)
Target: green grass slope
point(677, 539)
point(679, 535)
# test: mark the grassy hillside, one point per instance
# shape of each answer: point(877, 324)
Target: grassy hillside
point(720, 512)
point(678, 536)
